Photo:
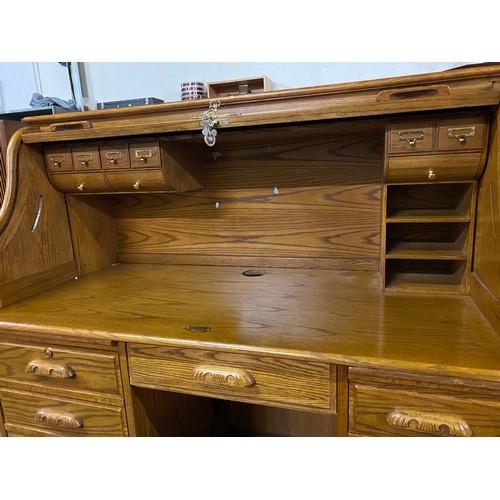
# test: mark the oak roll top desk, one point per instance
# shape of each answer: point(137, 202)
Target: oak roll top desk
point(320, 261)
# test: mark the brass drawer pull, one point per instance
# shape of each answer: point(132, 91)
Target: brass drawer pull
point(411, 136)
point(113, 156)
point(461, 133)
point(58, 419)
point(431, 423)
point(143, 154)
point(57, 160)
point(85, 158)
point(47, 368)
point(228, 376)
point(431, 175)
point(55, 127)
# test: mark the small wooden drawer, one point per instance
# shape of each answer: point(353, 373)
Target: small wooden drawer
point(58, 158)
point(238, 377)
point(85, 157)
point(61, 417)
point(138, 180)
point(53, 367)
point(114, 155)
point(411, 410)
point(145, 154)
point(94, 182)
point(462, 133)
point(434, 168)
point(411, 136)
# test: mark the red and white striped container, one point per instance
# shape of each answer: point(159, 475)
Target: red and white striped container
point(192, 90)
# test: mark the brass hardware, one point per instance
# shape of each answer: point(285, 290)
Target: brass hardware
point(48, 352)
point(202, 329)
point(411, 136)
point(85, 158)
point(431, 175)
point(209, 120)
point(80, 186)
point(461, 133)
point(137, 185)
point(57, 161)
point(113, 156)
point(143, 154)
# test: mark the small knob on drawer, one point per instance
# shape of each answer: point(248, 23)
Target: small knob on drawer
point(80, 186)
point(137, 185)
point(431, 175)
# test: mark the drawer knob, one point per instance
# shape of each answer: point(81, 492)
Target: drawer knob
point(80, 186)
point(431, 175)
point(228, 376)
point(47, 368)
point(429, 423)
point(136, 185)
point(57, 161)
point(58, 419)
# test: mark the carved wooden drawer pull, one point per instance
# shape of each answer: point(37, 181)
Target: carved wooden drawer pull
point(58, 419)
point(431, 423)
point(55, 127)
point(47, 368)
point(233, 377)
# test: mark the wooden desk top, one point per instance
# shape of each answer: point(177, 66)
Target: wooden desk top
point(335, 316)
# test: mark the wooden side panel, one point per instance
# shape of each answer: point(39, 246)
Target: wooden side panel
point(486, 280)
point(34, 237)
point(281, 196)
point(93, 232)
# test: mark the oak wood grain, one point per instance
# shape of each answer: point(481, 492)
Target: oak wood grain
point(22, 408)
point(286, 106)
point(332, 316)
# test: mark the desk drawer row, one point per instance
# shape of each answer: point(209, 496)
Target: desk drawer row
point(78, 391)
point(53, 390)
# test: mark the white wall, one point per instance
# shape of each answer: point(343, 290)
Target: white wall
point(130, 80)
point(19, 80)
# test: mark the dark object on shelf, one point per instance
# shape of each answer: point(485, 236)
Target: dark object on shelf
point(126, 103)
point(19, 114)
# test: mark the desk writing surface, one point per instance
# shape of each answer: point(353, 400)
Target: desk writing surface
point(335, 316)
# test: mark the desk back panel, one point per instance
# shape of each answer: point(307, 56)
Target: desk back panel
point(289, 198)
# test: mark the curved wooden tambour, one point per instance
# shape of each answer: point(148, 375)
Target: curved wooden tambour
point(430, 423)
point(47, 368)
point(58, 419)
point(9, 178)
point(221, 375)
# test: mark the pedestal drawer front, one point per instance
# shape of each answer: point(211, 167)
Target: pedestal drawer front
point(61, 368)
point(434, 168)
point(375, 411)
point(255, 379)
point(60, 416)
point(411, 136)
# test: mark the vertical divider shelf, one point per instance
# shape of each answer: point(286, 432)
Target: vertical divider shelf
point(427, 237)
